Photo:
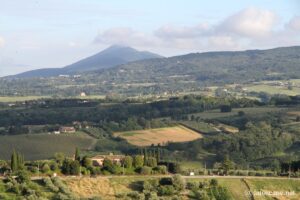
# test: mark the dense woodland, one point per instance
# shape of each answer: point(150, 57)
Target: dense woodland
point(263, 141)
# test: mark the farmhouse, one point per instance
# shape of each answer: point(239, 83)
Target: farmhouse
point(83, 94)
point(67, 129)
point(98, 160)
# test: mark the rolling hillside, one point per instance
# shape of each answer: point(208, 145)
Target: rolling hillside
point(151, 76)
point(110, 57)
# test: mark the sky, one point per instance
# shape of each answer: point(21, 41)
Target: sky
point(54, 33)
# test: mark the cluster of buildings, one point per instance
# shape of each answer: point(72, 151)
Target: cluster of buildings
point(71, 129)
point(99, 159)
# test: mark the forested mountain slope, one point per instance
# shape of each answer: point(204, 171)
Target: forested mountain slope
point(180, 73)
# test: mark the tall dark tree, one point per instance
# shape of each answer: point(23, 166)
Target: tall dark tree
point(14, 161)
point(145, 155)
point(158, 154)
point(17, 161)
point(77, 154)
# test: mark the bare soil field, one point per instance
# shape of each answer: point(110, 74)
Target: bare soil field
point(159, 136)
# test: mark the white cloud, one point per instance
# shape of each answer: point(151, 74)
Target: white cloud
point(250, 22)
point(171, 32)
point(124, 36)
point(223, 42)
point(249, 28)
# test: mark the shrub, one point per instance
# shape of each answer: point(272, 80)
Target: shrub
point(95, 170)
point(128, 161)
point(54, 166)
point(219, 193)
point(49, 184)
point(202, 194)
point(61, 196)
point(259, 174)
point(145, 170)
point(213, 182)
point(23, 177)
point(151, 162)
point(201, 172)
point(165, 181)
point(192, 186)
point(270, 174)
point(85, 171)
point(138, 161)
point(33, 169)
point(203, 185)
point(152, 196)
point(178, 182)
point(87, 162)
point(45, 168)
point(251, 173)
point(62, 187)
point(242, 173)
point(136, 196)
point(167, 190)
point(232, 173)
point(161, 169)
point(150, 186)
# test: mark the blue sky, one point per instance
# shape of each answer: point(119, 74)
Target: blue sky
point(53, 33)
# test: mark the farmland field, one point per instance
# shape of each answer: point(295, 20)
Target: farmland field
point(109, 188)
point(199, 126)
point(159, 136)
point(213, 114)
point(43, 146)
point(274, 89)
point(29, 98)
point(20, 98)
point(292, 186)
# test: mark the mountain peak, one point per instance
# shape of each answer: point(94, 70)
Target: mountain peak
point(109, 57)
point(117, 47)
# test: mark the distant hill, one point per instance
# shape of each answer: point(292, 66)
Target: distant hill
point(184, 73)
point(213, 67)
point(110, 57)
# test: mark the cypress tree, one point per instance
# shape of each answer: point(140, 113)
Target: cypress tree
point(145, 155)
point(77, 155)
point(20, 161)
point(14, 161)
point(158, 155)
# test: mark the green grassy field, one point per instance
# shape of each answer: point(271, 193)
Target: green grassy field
point(199, 126)
point(274, 89)
point(6, 99)
point(213, 114)
point(191, 165)
point(42, 146)
point(267, 185)
point(21, 98)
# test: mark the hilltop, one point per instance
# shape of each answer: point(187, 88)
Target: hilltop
point(184, 73)
point(110, 57)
